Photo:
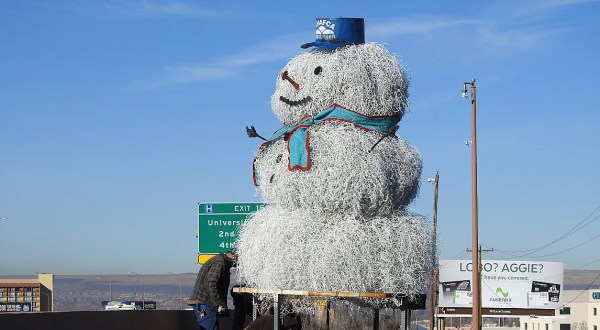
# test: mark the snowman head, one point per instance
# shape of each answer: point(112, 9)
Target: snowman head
point(365, 78)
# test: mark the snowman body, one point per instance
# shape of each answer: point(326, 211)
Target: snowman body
point(344, 173)
point(338, 221)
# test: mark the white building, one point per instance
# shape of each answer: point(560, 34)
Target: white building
point(581, 311)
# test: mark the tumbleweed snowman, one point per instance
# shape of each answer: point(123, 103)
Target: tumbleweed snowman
point(336, 178)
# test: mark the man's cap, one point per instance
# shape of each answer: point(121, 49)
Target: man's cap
point(338, 32)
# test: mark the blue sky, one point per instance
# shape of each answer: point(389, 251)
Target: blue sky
point(118, 117)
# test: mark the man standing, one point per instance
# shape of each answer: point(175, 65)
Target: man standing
point(209, 298)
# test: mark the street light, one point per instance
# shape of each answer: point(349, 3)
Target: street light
point(475, 225)
point(109, 288)
point(432, 300)
point(143, 301)
point(180, 290)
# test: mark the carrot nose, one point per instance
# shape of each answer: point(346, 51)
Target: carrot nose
point(284, 76)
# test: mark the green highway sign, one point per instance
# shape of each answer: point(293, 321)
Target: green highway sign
point(218, 226)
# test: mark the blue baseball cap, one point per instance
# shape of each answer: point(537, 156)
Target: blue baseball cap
point(338, 32)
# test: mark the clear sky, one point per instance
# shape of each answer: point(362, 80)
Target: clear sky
point(117, 117)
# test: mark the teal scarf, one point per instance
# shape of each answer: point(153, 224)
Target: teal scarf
point(297, 134)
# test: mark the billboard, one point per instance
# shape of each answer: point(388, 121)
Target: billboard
point(504, 284)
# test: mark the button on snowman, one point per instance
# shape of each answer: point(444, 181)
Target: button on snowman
point(336, 179)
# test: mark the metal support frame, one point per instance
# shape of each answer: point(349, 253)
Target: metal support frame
point(279, 295)
point(276, 316)
point(254, 306)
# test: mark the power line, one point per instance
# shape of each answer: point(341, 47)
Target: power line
point(582, 224)
point(589, 263)
point(584, 290)
point(567, 250)
point(570, 232)
point(552, 254)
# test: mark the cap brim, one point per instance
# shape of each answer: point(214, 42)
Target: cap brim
point(323, 45)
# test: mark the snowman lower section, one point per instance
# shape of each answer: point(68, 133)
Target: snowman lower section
point(308, 250)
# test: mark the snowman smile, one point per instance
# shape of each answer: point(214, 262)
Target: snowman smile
point(295, 103)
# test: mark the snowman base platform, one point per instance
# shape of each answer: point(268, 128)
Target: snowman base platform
point(310, 251)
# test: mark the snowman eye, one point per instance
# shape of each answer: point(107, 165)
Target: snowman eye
point(318, 70)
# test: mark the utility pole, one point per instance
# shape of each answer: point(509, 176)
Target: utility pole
point(433, 291)
point(479, 267)
point(474, 212)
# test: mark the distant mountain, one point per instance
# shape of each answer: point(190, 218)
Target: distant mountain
point(86, 292)
point(577, 279)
